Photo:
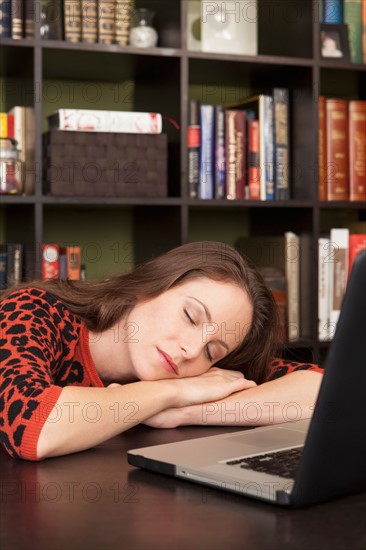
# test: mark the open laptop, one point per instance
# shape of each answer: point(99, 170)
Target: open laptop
point(329, 451)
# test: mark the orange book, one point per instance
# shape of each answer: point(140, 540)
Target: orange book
point(73, 262)
point(254, 177)
point(357, 242)
point(337, 149)
point(357, 150)
point(322, 149)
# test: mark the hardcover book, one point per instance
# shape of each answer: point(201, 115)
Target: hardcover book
point(357, 242)
point(337, 149)
point(5, 18)
point(353, 19)
point(107, 27)
point(193, 147)
point(220, 160)
point(235, 153)
point(281, 106)
point(292, 270)
point(73, 255)
point(323, 288)
point(357, 150)
point(89, 21)
point(29, 18)
point(207, 159)
point(253, 160)
point(17, 16)
point(72, 20)
point(122, 22)
point(339, 243)
point(322, 152)
point(88, 120)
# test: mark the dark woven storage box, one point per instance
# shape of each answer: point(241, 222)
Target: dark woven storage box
point(105, 164)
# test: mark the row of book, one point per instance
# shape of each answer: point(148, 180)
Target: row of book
point(285, 262)
point(17, 263)
point(336, 254)
point(352, 13)
point(242, 150)
point(90, 21)
point(342, 149)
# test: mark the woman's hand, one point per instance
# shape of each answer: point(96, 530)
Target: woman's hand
point(213, 385)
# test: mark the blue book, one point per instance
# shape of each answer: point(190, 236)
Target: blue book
point(268, 148)
point(5, 18)
point(207, 153)
point(332, 11)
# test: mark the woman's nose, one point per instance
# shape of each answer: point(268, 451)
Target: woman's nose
point(191, 348)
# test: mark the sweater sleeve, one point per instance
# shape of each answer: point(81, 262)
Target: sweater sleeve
point(30, 352)
point(281, 367)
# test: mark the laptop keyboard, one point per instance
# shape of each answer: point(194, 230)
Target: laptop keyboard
point(280, 463)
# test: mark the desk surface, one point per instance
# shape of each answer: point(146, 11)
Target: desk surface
point(95, 500)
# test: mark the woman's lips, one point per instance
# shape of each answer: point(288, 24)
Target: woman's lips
point(167, 362)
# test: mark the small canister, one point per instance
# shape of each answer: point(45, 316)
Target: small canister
point(11, 168)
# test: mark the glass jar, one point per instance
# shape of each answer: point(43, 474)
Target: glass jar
point(11, 168)
point(142, 34)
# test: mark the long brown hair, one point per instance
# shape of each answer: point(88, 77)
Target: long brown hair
point(100, 304)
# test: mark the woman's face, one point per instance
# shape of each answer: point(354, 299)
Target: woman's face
point(185, 330)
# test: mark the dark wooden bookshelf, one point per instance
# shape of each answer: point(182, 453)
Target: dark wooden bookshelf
point(164, 78)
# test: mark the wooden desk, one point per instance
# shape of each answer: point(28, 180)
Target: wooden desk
point(95, 500)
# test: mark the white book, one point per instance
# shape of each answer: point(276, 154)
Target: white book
point(88, 120)
point(323, 288)
point(229, 27)
point(339, 244)
point(292, 270)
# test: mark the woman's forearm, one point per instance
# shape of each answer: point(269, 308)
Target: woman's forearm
point(289, 398)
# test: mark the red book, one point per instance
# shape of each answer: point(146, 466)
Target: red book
point(337, 149)
point(11, 127)
point(322, 152)
point(357, 150)
point(357, 242)
point(50, 261)
point(254, 177)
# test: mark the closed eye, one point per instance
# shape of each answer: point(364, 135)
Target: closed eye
point(189, 317)
point(208, 353)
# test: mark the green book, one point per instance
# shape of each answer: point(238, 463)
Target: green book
point(353, 19)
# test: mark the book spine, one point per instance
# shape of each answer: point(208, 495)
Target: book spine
point(337, 149)
point(220, 169)
point(281, 109)
point(357, 150)
point(206, 186)
point(269, 149)
point(292, 270)
point(332, 11)
point(353, 19)
point(89, 21)
point(14, 264)
point(240, 160)
point(17, 18)
point(323, 288)
point(50, 261)
point(122, 22)
point(357, 242)
point(73, 254)
point(63, 264)
point(5, 18)
point(3, 266)
point(107, 27)
point(29, 18)
point(72, 20)
point(88, 120)
point(262, 146)
point(305, 285)
point(339, 243)
point(3, 125)
point(253, 160)
point(11, 129)
point(230, 153)
point(193, 148)
point(322, 150)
